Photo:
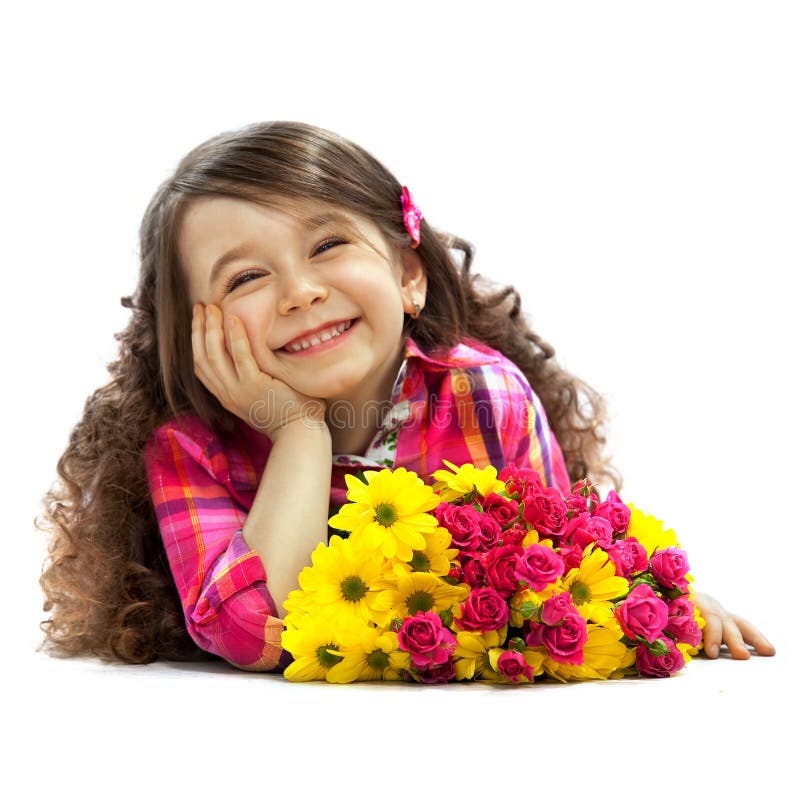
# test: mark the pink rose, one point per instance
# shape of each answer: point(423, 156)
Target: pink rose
point(682, 624)
point(615, 511)
point(564, 642)
point(585, 529)
point(463, 522)
point(583, 488)
point(669, 567)
point(556, 608)
point(483, 610)
point(659, 666)
point(513, 666)
point(426, 639)
point(539, 566)
point(576, 503)
point(502, 510)
point(501, 566)
point(546, 511)
point(520, 480)
point(642, 613)
point(628, 556)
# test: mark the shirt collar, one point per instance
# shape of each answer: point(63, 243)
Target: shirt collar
point(467, 353)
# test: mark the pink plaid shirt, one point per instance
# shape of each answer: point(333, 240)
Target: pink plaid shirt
point(470, 404)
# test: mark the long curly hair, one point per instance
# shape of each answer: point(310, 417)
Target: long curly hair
point(106, 579)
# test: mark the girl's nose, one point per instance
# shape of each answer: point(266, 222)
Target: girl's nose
point(301, 292)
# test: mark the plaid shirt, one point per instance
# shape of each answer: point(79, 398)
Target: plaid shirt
point(469, 404)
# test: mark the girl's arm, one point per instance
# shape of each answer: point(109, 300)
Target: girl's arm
point(221, 580)
point(289, 517)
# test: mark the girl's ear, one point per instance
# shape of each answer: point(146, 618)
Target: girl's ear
point(413, 281)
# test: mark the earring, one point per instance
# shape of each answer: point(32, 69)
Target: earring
point(417, 309)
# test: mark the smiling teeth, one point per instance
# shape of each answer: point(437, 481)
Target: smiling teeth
point(318, 338)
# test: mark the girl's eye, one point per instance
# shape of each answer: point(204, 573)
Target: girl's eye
point(333, 240)
point(242, 277)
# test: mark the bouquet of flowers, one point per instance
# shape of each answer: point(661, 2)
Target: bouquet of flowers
point(487, 577)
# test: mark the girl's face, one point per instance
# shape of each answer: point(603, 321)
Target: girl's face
point(284, 276)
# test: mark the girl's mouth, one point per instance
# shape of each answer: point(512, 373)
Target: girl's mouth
point(322, 346)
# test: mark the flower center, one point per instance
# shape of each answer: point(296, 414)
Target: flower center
point(377, 659)
point(420, 562)
point(580, 593)
point(325, 658)
point(419, 601)
point(385, 514)
point(353, 588)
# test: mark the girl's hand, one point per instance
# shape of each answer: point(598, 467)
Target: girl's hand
point(723, 627)
point(263, 402)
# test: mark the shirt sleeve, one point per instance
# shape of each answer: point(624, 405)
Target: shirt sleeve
point(221, 581)
point(529, 442)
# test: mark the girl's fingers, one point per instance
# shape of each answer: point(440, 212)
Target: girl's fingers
point(712, 634)
point(215, 348)
point(199, 354)
point(754, 637)
point(240, 349)
point(732, 637)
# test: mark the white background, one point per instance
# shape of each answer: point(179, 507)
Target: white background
point(631, 167)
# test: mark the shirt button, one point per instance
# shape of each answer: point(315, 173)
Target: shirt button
point(202, 606)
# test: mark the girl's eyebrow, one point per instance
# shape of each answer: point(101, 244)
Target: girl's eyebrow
point(242, 250)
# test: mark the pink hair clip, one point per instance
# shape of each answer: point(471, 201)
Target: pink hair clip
point(411, 216)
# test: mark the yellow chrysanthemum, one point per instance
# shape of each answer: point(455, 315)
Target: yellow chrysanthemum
point(604, 656)
point(462, 480)
point(436, 555)
point(593, 584)
point(388, 513)
point(418, 591)
point(471, 655)
point(650, 532)
point(341, 580)
point(368, 654)
point(312, 644)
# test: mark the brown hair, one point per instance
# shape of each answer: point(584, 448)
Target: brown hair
point(106, 580)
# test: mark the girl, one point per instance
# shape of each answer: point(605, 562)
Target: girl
point(296, 319)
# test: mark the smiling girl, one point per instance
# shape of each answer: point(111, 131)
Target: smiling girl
point(296, 319)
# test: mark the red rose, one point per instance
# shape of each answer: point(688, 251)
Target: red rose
point(572, 554)
point(489, 533)
point(659, 666)
point(502, 510)
point(463, 522)
point(642, 613)
point(514, 535)
point(513, 666)
point(669, 567)
point(546, 511)
point(520, 480)
point(441, 673)
point(539, 566)
point(483, 610)
point(475, 572)
point(501, 566)
point(615, 511)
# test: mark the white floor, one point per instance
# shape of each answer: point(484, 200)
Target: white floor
point(80, 728)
